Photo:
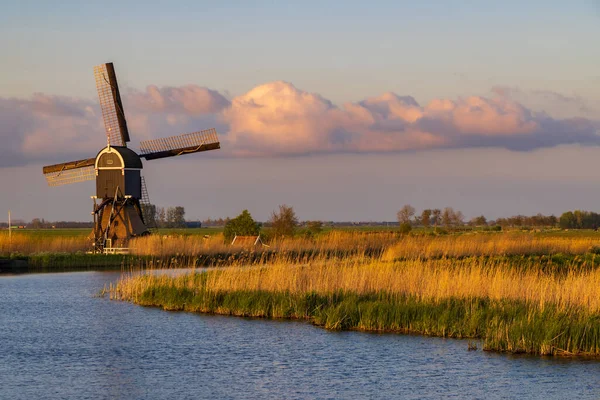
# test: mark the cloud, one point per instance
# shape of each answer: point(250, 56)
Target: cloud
point(46, 128)
point(547, 99)
point(184, 100)
point(277, 118)
point(167, 111)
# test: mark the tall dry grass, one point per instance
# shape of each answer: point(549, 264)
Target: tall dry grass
point(30, 244)
point(487, 244)
point(335, 241)
point(430, 280)
point(510, 309)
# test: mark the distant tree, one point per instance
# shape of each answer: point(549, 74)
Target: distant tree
point(149, 214)
point(36, 223)
point(426, 218)
point(161, 217)
point(179, 217)
point(436, 216)
point(284, 222)
point(242, 225)
point(170, 217)
point(567, 220)
point(314, 227)
point(579, 219)
point(405, 214)
point(458, 218)
point(448, 217)
point(405, 227)
point(478, 221)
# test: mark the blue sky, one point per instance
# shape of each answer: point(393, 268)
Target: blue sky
point(343, 50)
point(545, 54)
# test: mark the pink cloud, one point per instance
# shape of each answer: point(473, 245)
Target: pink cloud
point(277, 118)
point(188, 99)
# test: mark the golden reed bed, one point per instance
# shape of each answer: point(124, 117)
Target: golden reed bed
point(430, 280)
point(391, 245)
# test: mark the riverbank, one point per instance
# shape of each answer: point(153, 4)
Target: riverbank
point(56, 262)
point(514, 309)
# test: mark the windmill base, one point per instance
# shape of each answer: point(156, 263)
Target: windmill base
point(116, 222)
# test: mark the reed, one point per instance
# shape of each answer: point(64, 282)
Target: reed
point(511, 308)
point(487, 244)
point(333, 242)
point(26, 244)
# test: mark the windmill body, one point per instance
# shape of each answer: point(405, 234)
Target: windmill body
point(120, 188)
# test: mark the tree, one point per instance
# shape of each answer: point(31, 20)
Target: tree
point(314, 227)
point(448, 216)
point(242, 225)
point(426, 218)
point(170, 217)
point(405, 227)
point(405, 214)
point(458, 219)
point(179, 217)
point(479, 221)
point(567, 220)
point(435, 216)
point(162, 217)
point(284, 223)
point(149, 214)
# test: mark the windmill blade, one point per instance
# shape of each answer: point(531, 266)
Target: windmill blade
point(70, 172)
point(111, 105)
point(179, 145)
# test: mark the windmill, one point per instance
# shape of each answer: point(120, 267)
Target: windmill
point(120, 189)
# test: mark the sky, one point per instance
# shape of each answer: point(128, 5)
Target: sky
point(344, 110)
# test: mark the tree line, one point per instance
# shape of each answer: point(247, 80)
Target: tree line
point(448, 217)
point(284, 222)
point(160, 217)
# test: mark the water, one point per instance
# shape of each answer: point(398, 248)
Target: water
point(59, 341)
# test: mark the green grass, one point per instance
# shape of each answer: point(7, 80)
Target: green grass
point(51, 262)
point(504, 326)
point(60, 232)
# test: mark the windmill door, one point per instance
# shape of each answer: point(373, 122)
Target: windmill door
point(107, 182)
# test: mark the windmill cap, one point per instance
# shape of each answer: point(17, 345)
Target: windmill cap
point(129, 158)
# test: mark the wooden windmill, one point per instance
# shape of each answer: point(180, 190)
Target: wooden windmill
point(120, 188)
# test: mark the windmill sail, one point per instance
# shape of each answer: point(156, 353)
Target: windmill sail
point(70, 172)
point(111, 105)
point(179, 145)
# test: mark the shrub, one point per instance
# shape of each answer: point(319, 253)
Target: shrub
point(405, 227)
point(242, 225)
point(284, 223)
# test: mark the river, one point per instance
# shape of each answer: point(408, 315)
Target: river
point(58, 340)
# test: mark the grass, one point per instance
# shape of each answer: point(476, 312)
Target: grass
point(510, 307)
